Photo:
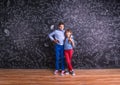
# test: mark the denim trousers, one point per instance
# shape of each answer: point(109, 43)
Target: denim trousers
point(59, 57)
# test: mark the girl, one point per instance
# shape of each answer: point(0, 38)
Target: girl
point(68, 50)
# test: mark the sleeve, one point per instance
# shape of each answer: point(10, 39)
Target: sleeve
point(73, 40)
point(51, 35)
point(72, 37)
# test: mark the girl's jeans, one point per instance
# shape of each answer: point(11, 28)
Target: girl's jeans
point(68, 56)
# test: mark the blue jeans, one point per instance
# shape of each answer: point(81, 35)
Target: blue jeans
point(59, 57)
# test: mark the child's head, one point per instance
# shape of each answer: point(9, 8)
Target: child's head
point(68, 33)
point(61, 25)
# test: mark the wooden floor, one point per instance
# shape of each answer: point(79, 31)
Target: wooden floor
point(46, 77)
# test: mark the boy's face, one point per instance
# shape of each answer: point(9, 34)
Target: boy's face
point(61, 27)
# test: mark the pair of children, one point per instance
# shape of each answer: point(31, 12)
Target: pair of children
point(63, 46)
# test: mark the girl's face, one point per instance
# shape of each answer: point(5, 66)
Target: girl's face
point(68, 34)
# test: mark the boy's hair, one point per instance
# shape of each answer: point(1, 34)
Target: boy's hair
point(60, 23)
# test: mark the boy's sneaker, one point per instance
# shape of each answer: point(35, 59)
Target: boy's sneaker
point(56, 72)
point(62, 73)
point(66, 72)
point(72, 73)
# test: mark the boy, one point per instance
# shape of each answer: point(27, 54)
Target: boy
point(58, 37)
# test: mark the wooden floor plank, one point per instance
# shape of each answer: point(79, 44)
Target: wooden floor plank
point(46, 77)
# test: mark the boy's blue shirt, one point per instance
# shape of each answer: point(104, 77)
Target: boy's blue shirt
point(59, 35)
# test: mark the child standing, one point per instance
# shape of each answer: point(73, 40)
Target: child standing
point(68, 50)
point(58, 37)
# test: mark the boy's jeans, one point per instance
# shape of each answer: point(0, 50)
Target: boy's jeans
point(59, 55)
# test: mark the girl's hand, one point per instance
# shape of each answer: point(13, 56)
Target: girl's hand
point(70, 40)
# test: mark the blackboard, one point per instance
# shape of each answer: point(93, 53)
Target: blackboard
point(25, 25)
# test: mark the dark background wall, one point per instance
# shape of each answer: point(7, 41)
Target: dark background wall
point(25, 25)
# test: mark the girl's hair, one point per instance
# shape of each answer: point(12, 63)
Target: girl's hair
point(68, 30)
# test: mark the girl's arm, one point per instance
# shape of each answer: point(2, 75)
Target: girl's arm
point(72, 41)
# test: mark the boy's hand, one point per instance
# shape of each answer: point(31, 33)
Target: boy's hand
point(55, 41)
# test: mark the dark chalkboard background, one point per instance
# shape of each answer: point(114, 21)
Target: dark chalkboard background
point(25, 25)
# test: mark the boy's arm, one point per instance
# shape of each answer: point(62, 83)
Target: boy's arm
point(51, 37)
